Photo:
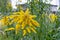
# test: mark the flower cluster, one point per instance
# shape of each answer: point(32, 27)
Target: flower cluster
point(23, 20)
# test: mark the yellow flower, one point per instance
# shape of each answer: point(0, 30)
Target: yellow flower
point(24, 21)
point(9, 29)
point(27, 19)
point(52, 17)
point(5, 20)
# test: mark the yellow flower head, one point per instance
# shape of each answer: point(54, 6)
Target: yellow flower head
point(27, 19)
point(52, 17)
point(5, 20)
point(24, 21)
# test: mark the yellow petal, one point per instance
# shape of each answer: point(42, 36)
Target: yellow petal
point(32, 16)
point(15, 13)
point(17, 28)
point(20, 21)
point(28, 29)
point(21, 12)
point(23, 25)
point(24, 32)
point(11, 22)
point(27, 11)
point(30, 24)
point(35, 23)
point(33, 30)
point(9, 29)
point(11, 16)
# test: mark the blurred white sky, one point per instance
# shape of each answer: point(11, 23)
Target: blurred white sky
point(53, 2)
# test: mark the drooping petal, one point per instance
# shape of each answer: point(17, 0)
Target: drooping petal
point(27, 11)
point(35, 23)
point(32, 16)
point(28, 29)
point(21, 12)
point(24, 32)
point(9, 29)
point(17, 28)
point(33, 30)
point(23, 25)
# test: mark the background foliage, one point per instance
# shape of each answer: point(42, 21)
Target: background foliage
point(47, 30)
